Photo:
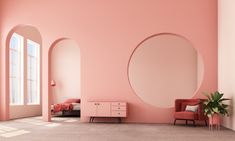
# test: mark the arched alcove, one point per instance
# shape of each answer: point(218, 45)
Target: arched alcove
point(30, 89)
point(64, 70)
point(164, 67)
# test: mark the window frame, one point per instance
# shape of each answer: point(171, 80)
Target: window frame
point(22, 71)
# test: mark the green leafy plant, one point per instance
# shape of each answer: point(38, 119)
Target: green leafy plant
point(214, 104)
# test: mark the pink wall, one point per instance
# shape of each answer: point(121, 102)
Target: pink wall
point(4, 109)
point(107, 32)
point(226, 54)
point(1, 97)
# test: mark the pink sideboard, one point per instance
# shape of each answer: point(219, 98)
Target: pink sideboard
point(106, 109)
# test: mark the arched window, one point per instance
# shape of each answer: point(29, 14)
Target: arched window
point(24, 71)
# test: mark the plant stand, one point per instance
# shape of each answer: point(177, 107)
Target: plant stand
point(214, 121)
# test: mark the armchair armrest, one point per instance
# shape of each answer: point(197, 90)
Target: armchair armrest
point(178, 105)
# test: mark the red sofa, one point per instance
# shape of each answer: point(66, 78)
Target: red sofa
point(181, 114)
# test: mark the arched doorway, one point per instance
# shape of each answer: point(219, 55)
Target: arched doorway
point(64, 77)
point(23, 75)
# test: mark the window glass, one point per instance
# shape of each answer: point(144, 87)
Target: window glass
point(33, 76)
point(16, 69)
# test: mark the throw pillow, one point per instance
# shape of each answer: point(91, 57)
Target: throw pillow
point(191, 108)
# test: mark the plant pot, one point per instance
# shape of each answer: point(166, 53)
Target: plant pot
point(214, 119)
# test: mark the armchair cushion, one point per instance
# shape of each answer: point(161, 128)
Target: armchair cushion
point(186, 115)
point(191, 103)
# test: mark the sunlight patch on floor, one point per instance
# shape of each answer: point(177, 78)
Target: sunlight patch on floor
point(32, 121)
point(14, 133)
point(71, 120)
point(58, 119)
point(53, 125)
point(6, 128)
point(6, 131)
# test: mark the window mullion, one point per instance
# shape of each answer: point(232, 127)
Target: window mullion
point(25, 72)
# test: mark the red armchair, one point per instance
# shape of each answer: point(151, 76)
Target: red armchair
point(181, 114)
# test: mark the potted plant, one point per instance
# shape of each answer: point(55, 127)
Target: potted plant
point(214, 107)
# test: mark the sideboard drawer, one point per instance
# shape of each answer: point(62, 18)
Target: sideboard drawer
point(118, 103)
point(118, 108)
point(118, 114)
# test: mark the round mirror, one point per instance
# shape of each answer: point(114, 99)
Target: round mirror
point(163, 68)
